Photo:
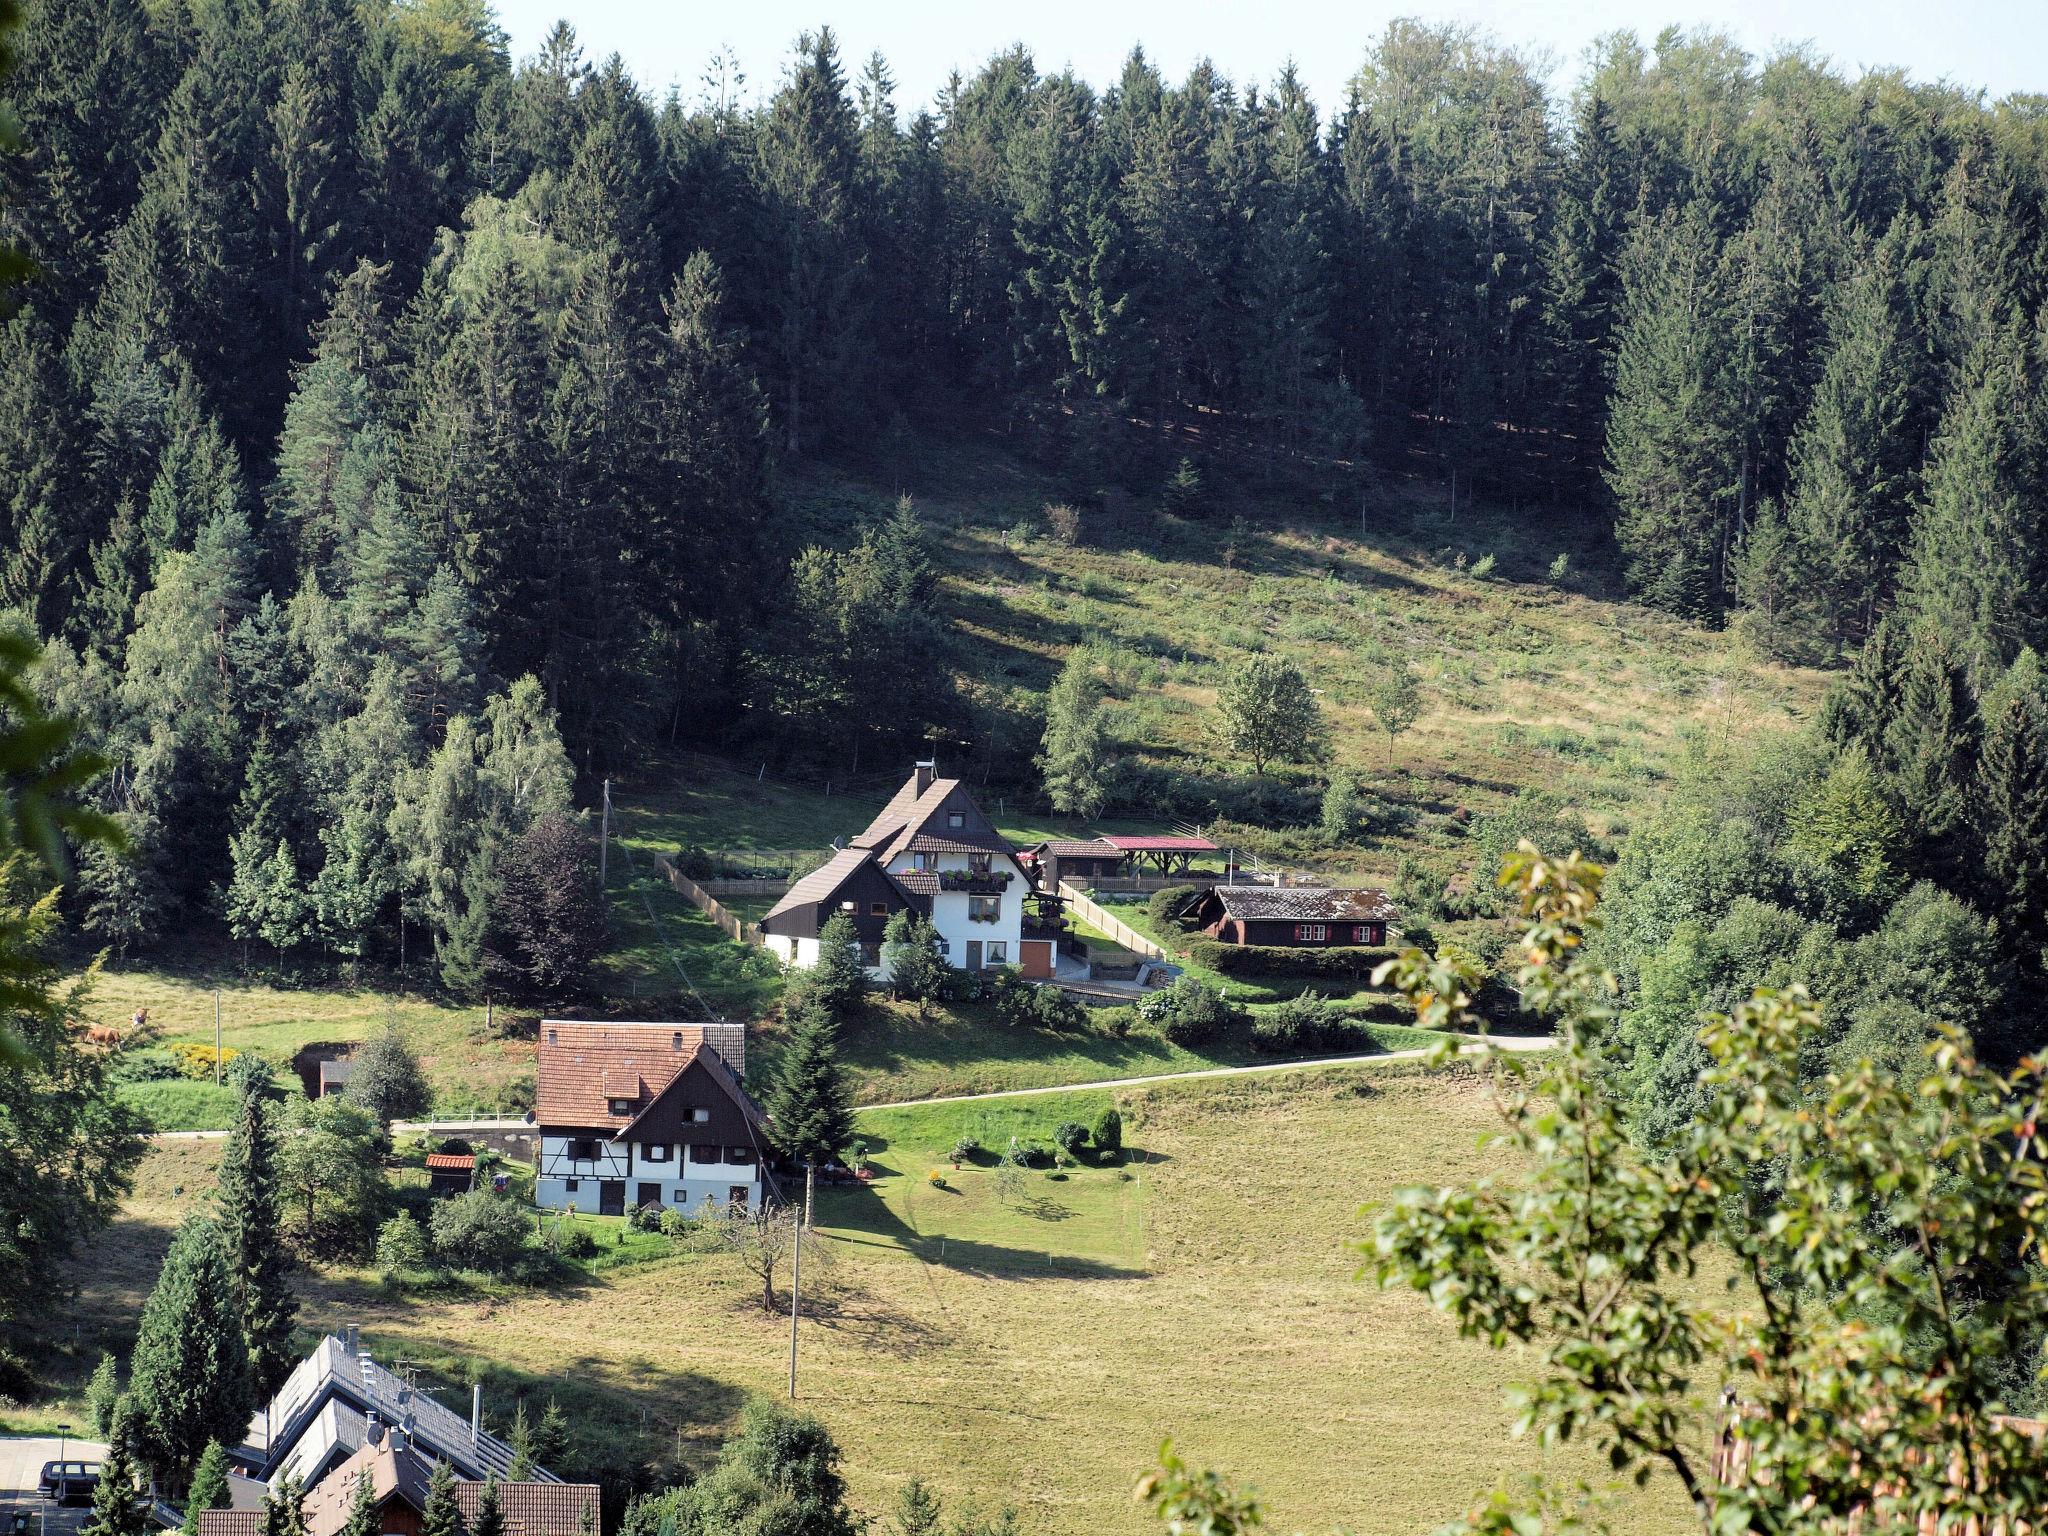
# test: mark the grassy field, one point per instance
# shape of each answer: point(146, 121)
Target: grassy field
point(1037, 1349)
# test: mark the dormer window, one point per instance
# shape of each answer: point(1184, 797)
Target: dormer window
point(622, 1106)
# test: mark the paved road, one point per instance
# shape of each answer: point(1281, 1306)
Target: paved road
point(21, 1465)
point(1473, 1044)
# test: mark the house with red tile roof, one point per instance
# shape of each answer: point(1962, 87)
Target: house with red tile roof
point(931, 848)
point(637, 1115)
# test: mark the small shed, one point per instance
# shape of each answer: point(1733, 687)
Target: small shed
point(1076, 859)
point(450, 1173)
point(1296, 917)
point(335, 1074)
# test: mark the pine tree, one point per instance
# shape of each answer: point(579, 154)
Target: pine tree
point(521, 1440)
point(1931, 747)
point(102, 1393)
point(284, 1507)
point(490, 1515)
point(1974, 571)
point(838, 982)
point(362, 1508)
point(1853, 459)
point(442, 1515)
point(1074, 759)
point(250, 1226)
point(40, 494)
point(1582, 272)
point(115, 1511)
point(1672, 447)
point(190, 1372)
point(209, 1488)
point(810, 1110)
point(551, 1437)
point(2010, 812)
point(917, 1510)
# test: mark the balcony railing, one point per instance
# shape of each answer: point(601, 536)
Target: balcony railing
point(992, 883)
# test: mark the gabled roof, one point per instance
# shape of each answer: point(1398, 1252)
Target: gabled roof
point(824, 882)
point(910, 812)
point(451, 1162)
point(583, 1066)
point(1311, 904)
point(1078, 848)
point(720, 1073)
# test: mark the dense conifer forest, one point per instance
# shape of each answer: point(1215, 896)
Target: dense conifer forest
point(387, 427)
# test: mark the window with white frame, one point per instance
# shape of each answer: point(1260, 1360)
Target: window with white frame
point(654, 1154)
point(1311, 933)
point(998, 953)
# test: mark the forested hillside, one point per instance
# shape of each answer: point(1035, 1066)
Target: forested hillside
point(391, 435)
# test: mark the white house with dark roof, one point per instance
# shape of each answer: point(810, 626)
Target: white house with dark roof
point(637, 1115)
point(930, 848)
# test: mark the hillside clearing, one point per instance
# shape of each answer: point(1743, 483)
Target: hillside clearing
point(1035, 1352)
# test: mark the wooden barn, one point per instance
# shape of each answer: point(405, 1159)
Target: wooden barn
point(1298, 917)
point(1075, 859)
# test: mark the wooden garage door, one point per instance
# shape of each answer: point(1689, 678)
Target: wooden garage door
point(1035, 957)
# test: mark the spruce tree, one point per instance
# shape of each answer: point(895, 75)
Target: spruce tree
point(115, 1511)
point(551, 1436)
point(103, 1393)
point(520, 1438)
point(1930, 749)
point(190, 1371)
point(838, 982)
point(1672, 444)
point(2011, 815)
point(284, 1507)
point(490, 1513)
point(209, 1488)
point(810, 1110)
point(442, 1515)
point(1075, 760)
point(250, 1224)
point(1974, 571)
point(362, 1509)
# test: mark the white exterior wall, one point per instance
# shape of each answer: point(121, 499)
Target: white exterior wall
point(801, 953)
point(684, 1185)
point(950, 908)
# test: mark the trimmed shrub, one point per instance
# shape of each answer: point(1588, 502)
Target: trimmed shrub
point(1071, 1138)
point(967, 1150)
point(1162, 904)
point(1025, 1004)
point(1345, 962)
point(1108, 1131)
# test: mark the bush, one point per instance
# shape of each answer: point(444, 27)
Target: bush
point(1065, 523)
point(674, 1223)
point(1025, 1004)
point(1108, 1132)
point(1071, 1138)
point(967, 1150)
point(1191, 1012)
point(936, 1178)
point(579, 1244)
point(1162, 904)
point(248, 1073)
point(1026, 1154)
point(150, 1066)
point(480, 1231)
point(647, 1218)
point(197, 1061)
point(1345, 962)
point(401, 1246)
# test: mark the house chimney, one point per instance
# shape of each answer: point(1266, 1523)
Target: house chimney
point(350, 1339)
point(675, 1041)
point(476, 1404)
point(926, 772)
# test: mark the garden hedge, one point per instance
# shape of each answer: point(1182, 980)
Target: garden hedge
point(1348, 962)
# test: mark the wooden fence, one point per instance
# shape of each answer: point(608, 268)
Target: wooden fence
point(766, 885)
point(705, 902)
point(1096, 917)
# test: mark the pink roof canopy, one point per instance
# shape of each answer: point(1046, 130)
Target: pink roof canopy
point(1162, 844)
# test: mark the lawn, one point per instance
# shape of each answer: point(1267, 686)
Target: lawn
point(1035, 1349)
point(477, 1062)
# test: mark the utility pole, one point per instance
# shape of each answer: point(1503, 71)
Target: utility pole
point(216, 1037)
point(810, 1192)
point(604, 837)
